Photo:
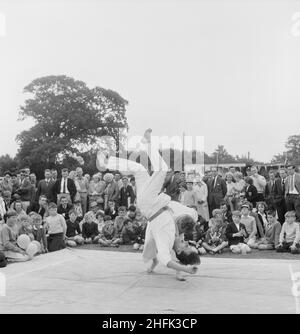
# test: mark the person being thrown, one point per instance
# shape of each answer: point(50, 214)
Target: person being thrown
point(168, 221)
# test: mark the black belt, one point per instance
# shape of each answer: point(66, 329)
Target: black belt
point(159, 212)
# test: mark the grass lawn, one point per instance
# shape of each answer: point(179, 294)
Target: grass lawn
point(255, 254)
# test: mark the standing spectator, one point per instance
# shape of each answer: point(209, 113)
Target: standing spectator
point(26, 191)
point(54, 174)
point(6, 184)
point(40, 207)
point(189, 196)
point(56, 228)
point(235, 234)
point(201, 190)
point(171, 185)
point(16, 182)
point(273, 228)
point(259, 183)
point(292, 191)
point(112, 189)
point(270, 190)
point(96, 190)
point(64, 207)
point(127, 196)
point(2, 209)
point(7, 199)
point(279, 195)
point(133, 185)
point(33, 181)
point(83, 188)
point(230, 184)
point(64, 187)
point(251, 191)
point(217, 190)
point(239, 188)
point(118, 180)
point(45, 187)
point(289, 239)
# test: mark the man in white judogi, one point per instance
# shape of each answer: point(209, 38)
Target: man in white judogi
point(168, 220)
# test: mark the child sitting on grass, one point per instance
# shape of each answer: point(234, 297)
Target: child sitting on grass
point(272, 232)
point(119, 221)
point(73, 234)
point(39, 232)
point(215, 238)
point(107, 238)
point(90, 231)
point(289, 238)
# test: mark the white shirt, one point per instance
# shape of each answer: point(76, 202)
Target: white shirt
point(62, 190)
point(292, 182)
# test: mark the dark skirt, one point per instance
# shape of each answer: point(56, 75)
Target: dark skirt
point(55, 242)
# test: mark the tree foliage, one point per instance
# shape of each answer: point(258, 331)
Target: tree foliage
point(70, 118)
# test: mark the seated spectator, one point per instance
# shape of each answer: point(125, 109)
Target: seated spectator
point(199, 234)
point(119, 221)
point(216, 214)
point(64, 207)
point(73, 234)
point(18, 207)
point(8, 242)
point(39, 232)
point(3, 262)
point(111, 210)
point(140, 224)
point(250, 191)
point(261, 208)
point(272, 232)
point(226, 212)
point(235, 234)
point(26, 226)
point(289, 237)
point(107, 239)
point(90, 231)
point(129, 233)
point(250, 225)
point(215, 238)
point(100, 221)
point(56, 228)
point(78, 208)
point(40, 207)
point(94, 207)
point(131, 213)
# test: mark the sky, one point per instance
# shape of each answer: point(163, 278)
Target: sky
point(225, 70)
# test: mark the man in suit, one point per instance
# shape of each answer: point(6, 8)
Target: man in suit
point(127, 196)
point(279, 195)
point(45, 187)
point(171, 185)
point(26, 190)
point(217, 190)
point(292, 191)
point(269, 190)
point(39, 207)
point(64, 187)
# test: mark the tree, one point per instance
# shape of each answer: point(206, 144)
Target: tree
point(220, 155)
point(292, 153)
point(69, 119)
point(7, 163)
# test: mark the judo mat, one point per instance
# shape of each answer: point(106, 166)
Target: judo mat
point(89, 281)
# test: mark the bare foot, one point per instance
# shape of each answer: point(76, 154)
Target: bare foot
point(153, 265)
point(179, 276)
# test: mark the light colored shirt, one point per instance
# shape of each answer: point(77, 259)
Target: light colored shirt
point(56, 224)
point(250, 225)
point(259, 182)
point(63, 186)
point(83, 184)
point(290, 233)
point(292, 188)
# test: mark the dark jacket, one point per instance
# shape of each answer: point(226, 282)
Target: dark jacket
point(89, 230)
point(232, 229)
point(46, 189)
point(125, 193)
point(70, 186)
point(251, 194)
point(35, 207)
point(218, 192)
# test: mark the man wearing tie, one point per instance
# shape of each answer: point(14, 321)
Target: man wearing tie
point(269, 190)
point(279, 195)
point(64, 187)
point(217, 189)
point(292, 191)
point(45, 187)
